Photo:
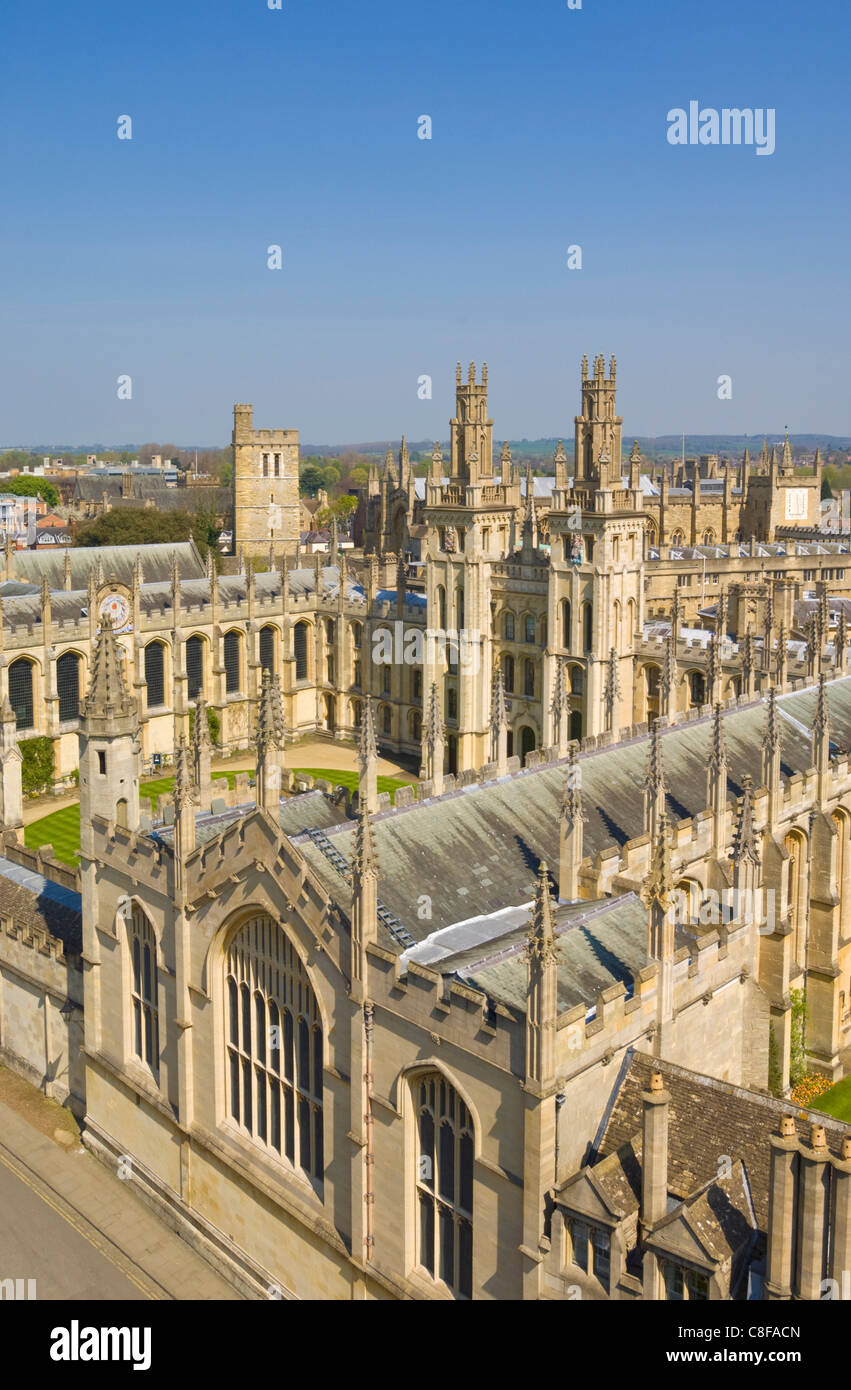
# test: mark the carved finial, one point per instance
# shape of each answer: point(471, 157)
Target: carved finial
point(541, 944)
point(745, 844)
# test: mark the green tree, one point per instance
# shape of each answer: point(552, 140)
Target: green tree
point(146, 526)
point(311, 479)
point(797, 1046)
point(24, 486)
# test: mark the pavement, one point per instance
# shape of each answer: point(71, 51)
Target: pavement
point(81, 1233)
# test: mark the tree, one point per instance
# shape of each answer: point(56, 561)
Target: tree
point(147, 526)
point(24, 486)
point(311, 479)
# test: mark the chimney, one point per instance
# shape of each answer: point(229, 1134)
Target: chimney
point(654, 1160)
point(781, 1210)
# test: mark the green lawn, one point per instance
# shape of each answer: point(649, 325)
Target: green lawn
point(61, 829)
point(836, 1101)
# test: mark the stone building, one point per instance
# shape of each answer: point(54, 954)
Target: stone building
point(265, 487)
point(346, 1060)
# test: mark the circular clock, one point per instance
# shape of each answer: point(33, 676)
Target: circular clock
point(116, 607)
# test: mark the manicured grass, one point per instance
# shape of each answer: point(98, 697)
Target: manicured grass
point(61, 829)
point(836, 1101)
point(349, 780)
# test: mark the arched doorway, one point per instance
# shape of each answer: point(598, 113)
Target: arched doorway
point(527, 742)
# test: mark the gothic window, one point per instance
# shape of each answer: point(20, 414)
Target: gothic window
point(577, 680)
point(508, 672)
point(587, 623)
point(155, 674)
point(385, 680)
point(651, 674)
point(233, 662)
point(385, 719)
point(697, 688)
point(451, 703)
point(684, 1284)
point(68, 686)
point(357, 713)
point(21, 693)
point(508, 627)
point(277, 465)
point(267, 649)
point(194, 667)
point(677, 538)
point(529, 626)
point(444, 1184)
point(415, 724)
point(709, 538)
point(356, 636)
point(330, 631)
point(265, 465)
point(529, 678)
point(459, 608)
point(527, 742)
point(441, 607)
point(356, 673)
point(566, 623)
point(417, 685)
point(274, 1046)
point(300, 648)
point(143, 990)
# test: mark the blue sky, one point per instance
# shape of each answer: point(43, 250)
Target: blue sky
point(298, 127)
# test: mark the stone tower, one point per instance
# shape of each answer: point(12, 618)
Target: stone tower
point(265, 487)
point(471, 430)
point(109, 742)
point(598, 429)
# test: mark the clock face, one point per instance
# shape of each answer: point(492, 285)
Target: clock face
point(116, 607)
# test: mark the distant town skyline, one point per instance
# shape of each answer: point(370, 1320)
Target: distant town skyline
point(149, 257)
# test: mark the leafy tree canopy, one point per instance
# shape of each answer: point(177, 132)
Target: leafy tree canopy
point(24, 486)
point(146, 526)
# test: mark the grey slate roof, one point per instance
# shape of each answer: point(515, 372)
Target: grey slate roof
point(35, 901)
point(32, 566)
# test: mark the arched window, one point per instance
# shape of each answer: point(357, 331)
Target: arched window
point(577, 680)
point(529, 678)
point(508, 672)
point(444, 1184)
point(566, 623)
point(194, 667)
point(233, 662)
point(651, 675)
point(385, 719)
point(697, 688)
point(356, 636)
point(508, 627)
point(527, 742)
point(357, 714)
point(267, 649)
point(144, 990)
point(21, 693)
point(459, 607)
point(587, 622)
point(529, 628)
point(709, 538)
point(677, 538)
point(155, 674)
point(68, 686)
point(451, 703)
point(415, 724)
point(300, 649)
point(441, 607)
point(274, 1046)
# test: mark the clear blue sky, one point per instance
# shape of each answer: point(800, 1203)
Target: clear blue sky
point(299, 127)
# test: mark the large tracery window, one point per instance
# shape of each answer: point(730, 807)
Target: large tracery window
point(194, 667)
point(155, 674)
point(143, 990)
point(68, 686)
point(233, 662)
point(267, 649)
point(21, 692)
point(444, 1181)
point(274, 1046)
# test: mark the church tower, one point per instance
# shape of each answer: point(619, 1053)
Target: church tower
point(471, 430)
point(109, 743)
point(265, 487)
point(597, 437)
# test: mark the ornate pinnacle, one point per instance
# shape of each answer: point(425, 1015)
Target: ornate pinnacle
point(365, 859)
point(108, 695)
point(499, 714)
point(772, 729)
point(434, 718)
point(669, 668)
point(612, 689)
point(821, 723)
point(184, 789)
point(744, 837)
point(660, 880)
point(841, 638)
point(654, 781)
point(559, 456)
point(571, 801)
point(268, 717)
point(718, 756)
point(367, 747)
point(713, 670)
point(541, 945)
point(559, 704)
point(200, 726)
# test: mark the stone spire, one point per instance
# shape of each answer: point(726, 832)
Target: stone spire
point(268, 781)
point(108, 704)
point(368, 760)
point(716, 783)
point(67, 570)
point(745, 846)
point(812, 644)
point(560, 708)
point(771, 749)
point(530, 519)
point(668, 680)
point(435, 742)
point(571, 822)
point(676, 616)
point(723, 614)
point(542, 986)
point(184, 798)
point(782, 658)
point(821, 738)
point(661, 926)
point(499, 722)
point(611, 689)
point(748, 664)
point(713, 671)
point(654, 786)
point(201, 753)
point(841, 645)
point(364, 897)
